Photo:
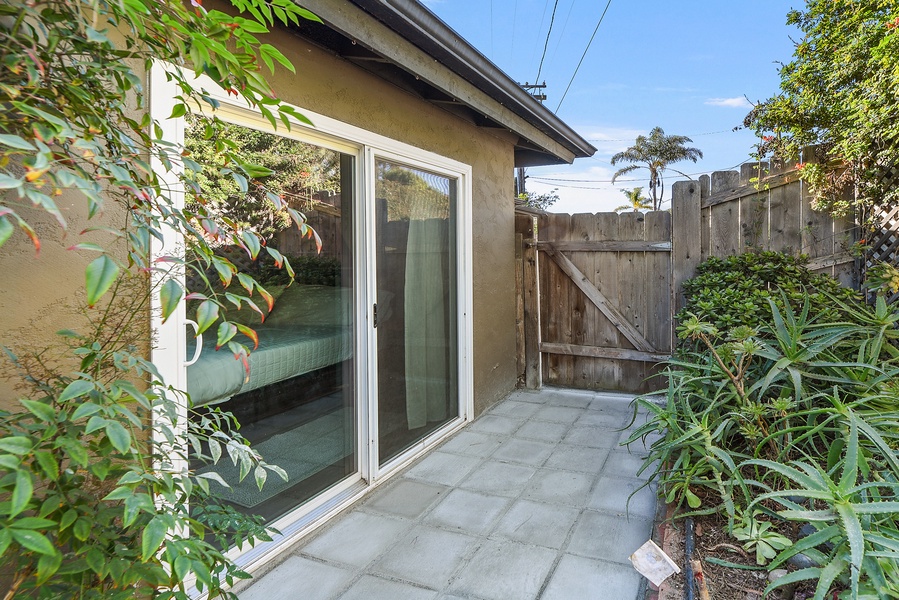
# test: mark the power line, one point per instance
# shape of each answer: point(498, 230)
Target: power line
point(691, 135)
point(492, 55)
point(564, 27)
point(540, 27)
point(601, 17)
point(552, 19)
point(514, 17)
point(559, 181)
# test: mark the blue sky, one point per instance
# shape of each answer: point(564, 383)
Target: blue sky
point(687, 66)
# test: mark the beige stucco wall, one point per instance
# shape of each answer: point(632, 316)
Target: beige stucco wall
point(38, 291)
point(42, 292)
point(333, 87)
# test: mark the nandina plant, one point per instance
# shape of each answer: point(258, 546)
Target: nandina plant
point(96, 500)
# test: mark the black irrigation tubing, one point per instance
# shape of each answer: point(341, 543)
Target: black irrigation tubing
point(688, 554)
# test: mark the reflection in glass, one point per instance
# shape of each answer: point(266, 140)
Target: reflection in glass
point(417, 324)
point(296, 404)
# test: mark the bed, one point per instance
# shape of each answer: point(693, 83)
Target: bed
point(309, 328)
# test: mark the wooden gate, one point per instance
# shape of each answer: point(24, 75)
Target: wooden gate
point(598, 292)
point(604, 298)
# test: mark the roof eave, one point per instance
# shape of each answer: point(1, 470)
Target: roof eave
point(417, 41)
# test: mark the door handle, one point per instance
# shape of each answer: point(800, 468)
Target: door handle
point(199, 347)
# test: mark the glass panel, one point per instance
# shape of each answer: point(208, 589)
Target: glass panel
point(417, 324)
point(296, 404)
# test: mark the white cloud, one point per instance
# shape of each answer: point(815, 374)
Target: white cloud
point(738, 102)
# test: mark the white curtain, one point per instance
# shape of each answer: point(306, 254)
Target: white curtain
point(426, 303)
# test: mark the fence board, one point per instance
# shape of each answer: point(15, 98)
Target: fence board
point(686, 221)
point(631, 297)
point(520, 352)
point(607, 371)
point(753, 221)
point(583, 227)
point(786, 214)
point(554, 304)
point(532, 376)
point(705, 189)
point(725, 229)
point(658, 293)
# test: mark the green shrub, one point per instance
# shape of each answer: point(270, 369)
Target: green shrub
point(792, 419)
point(732, 291)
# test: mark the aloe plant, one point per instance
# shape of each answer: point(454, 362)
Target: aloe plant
point(786, 407)
point(859, 519)
point(758, 535)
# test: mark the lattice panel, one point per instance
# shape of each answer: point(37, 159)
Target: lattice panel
point(883, 240)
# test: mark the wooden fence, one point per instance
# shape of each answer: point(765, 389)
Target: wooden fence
point(598, 292)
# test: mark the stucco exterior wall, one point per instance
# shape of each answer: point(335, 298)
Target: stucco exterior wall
point(44, 292)
point(40, 292)
point(331, 86)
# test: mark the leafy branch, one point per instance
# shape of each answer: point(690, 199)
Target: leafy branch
point(96, 499)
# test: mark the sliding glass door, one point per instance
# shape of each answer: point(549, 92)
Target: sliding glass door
point(296, 400)
point(417, 322)
point(365, 358)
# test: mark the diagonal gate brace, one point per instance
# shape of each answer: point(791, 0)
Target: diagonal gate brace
point(598, 299)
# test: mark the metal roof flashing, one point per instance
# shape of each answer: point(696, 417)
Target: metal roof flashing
point(410, 46)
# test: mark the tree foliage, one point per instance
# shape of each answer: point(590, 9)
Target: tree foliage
point(540, 201)
point(655, 153)
point(408, 195)
point(839, 93)
point(295, 171)
point(97, 500)
point(636, 201)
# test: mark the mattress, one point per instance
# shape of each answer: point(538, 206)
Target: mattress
point(285, 350)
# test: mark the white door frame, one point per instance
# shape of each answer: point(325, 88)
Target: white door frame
point(169, 352)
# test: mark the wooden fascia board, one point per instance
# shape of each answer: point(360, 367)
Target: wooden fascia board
point(357, 25)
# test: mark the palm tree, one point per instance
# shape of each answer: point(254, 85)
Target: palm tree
point(635, 200)
point(655, 153)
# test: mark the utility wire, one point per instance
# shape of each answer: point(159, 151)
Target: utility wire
point(562, 33)
point(691, 135)
point(602, 16)
point(552, 19)
point(512, 43)
point(492, 55)
point(559, 181)
point(540, 27)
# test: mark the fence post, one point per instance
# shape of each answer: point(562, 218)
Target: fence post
point(531, 304)
point(686, 237)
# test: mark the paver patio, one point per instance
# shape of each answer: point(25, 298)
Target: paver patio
point(527, 502)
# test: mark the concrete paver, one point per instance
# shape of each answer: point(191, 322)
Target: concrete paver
point(579, 577)
point(301, 578)
point(608, 537)
point(543, 431)
point(443, 468)
point(343, 544)
point(506, 570)
point(427, 556)
point(537, 523)
point(472, 443)
point(527, 452)
point(369, 587)
point(502, 479)
point(529, 502)
point(467, 511)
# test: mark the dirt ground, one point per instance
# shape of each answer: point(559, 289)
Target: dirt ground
point(724, 582)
